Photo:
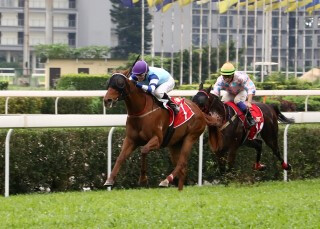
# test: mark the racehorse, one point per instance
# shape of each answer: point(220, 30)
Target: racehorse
point(147, 125)
point(226, 135)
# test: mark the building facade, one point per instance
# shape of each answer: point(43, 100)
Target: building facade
point(298, 35)
point(76, 23)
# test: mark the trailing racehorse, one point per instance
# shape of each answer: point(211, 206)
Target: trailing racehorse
point(147, 126)
point(227, 132)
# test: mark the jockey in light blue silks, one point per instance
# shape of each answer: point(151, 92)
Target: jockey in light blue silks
point(239, 87)
point(155, 81)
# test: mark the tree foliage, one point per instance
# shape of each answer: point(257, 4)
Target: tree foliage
point(63, 51)
point(128, 29)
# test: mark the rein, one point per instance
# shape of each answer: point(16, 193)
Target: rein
point(226, 123)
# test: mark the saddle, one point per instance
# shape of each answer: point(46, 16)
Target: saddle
point(256, 114)
point(183, 116)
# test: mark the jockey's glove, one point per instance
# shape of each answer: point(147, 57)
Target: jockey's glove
point(138, 85)
point(134, 82)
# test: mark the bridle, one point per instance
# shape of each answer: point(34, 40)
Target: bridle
point(120, 88)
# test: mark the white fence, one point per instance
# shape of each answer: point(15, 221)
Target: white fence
point(42, 121)
point(99, 93)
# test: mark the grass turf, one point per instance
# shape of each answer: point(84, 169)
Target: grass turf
point(266, 205)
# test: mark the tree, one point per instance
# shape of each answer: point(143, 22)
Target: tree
point(63, 51)
point(128, 29)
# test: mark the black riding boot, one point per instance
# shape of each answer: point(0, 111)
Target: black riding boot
point(171, 104)
point(251, 122)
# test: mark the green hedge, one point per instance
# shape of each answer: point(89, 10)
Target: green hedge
point(70, 159)
point(82, 82)
point(4, 85)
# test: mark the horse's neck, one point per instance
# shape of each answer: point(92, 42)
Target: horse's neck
point(137, 102)
point(218, 108)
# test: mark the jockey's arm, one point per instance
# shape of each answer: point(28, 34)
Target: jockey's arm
point(250, 96)
point(153, 81)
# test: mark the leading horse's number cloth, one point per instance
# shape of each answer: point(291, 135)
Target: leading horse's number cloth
point(256, 114)
point(184, 114)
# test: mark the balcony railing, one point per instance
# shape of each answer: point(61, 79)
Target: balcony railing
point(64, 23)
point(9, 22)
point(9, 41)
point(37, 23)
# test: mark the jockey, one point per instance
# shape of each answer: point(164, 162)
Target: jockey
point(239, 87)
point(156, 81)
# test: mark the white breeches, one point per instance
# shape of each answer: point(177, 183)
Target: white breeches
point(241, 96)
point(164, 88)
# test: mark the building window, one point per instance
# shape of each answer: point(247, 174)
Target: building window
point(275, 41)
point(292, 41)
point(20, 38)
point(275, 23)
point(292, 23)
point(72, 4)
point(308, 41)
point(318, 22)
point(21, 19)
point(72, 20)
point(83, 70)
point(250, 22)
point(72, 39)
point(318, 41)
point(222, 38)
point(21, 3)
point(250, 40)
point(308, 22)
point(224, 21)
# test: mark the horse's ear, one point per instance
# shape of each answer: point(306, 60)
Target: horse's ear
point(126, 73)
point(201, 86)
point(209, 88)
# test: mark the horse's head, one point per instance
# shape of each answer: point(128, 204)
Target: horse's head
point(203, 98)
point(117, 87)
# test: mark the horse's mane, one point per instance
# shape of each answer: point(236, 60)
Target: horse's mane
point(214, 121)
point(215, 138)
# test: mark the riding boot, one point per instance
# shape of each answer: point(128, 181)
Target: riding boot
point(250, 120)
point(171, 104)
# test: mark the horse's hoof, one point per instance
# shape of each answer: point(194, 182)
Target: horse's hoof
point(259, 167)
point(286, 166)
point(164, 183)
point(108, 183)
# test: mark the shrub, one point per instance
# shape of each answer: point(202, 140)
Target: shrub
point(82, 82)
point(70, 159)
point(4, 85)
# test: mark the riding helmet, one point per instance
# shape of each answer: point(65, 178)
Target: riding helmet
point(140, 67)
point(227, 69)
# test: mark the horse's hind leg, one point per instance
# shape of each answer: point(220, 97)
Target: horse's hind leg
point(257, 145)
point(143, 180)
point(271, 139)
point(180, 170)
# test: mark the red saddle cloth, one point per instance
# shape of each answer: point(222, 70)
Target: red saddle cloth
point(184, 114)
point(256, 114)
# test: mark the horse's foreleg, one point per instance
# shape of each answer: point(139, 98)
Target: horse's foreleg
point(153, 143)
point(127, 148)
point(143, 180)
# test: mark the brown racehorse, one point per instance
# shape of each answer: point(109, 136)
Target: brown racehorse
point(225, 141)
point(146, 126)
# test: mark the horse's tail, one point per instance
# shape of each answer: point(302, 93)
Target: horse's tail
point(281, 117)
